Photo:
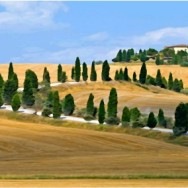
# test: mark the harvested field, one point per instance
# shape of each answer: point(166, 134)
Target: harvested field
point(36, 149)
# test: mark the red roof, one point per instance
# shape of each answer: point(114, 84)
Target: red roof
point(177, 46)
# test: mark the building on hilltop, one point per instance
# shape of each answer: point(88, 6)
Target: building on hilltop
point(177, 48)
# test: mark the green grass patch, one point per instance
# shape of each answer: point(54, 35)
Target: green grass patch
point(166, 137)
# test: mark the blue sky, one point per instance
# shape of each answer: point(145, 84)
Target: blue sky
point(58, 32)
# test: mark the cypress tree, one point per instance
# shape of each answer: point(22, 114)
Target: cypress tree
point(64, 77)
point(77, 69)
point(73, 73)
point(69, 105)
point(134, 77)
point(101, 113)
point(143, 74)
point(159, 81)
point(90, 105)
point(181, 84)
point(116, 77)
point(124, 54)
point(84, 72)
point(135, 114)
point(56, 105)
point(128, 56)
point(46, 76)
point(10, 89)
point(161, 118)
point(59, 73)
point(158, 61)
point(105, 71)
point(33, 77)
point(10, 71)
point(119, 56)
point(126, 115)
point(1, 81)
point(152, 122)
point(112, 103)
point(181, 119)
point(143, 57)
point(125, 75)
point(170, 81)
point(16, 103)
point(176, 85)
point(1, 97)
point(49, 100)
point(28, 98)
point(15, 79)
point(121, 74)
point(93, 75)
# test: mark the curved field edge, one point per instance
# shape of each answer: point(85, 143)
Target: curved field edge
point(166, 137)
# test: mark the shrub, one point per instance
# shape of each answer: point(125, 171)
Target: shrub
point(135, 114)
point(16, 103)
point(138, 124)
point(112, 120)
point(88, 117)
point(178, 131)
point(46, 112)
point(184, 64)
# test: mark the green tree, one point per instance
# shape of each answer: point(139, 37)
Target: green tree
point(16, 103)
point(118, 57)
point(125, 75)
point(69, 106)
point(93, 75)
point(84, 72)
point(10, 71)
point(116, 77)
point(134, 77)
point(176, 85)
point(77, 69)
point(143, 74)
point(50, 100)
point(73, 73)
point(157, 60)
point(150, 80)
point(181, 119)
point(64, 77)
point(56, 105)
point(152, 52)
point(126, 116)
point(152, 122)
point(1, 97)
point(59, 73)
point(161, 119)
point(10, 89)
point(121, 74)
point(101, 113)
point(181, 84)
point(15, 79)
point(1, 81)
point(124, 54)
point(105, 71)
point(28, 97)
point(170, 81)
point(159, 81)
point(135, 114)
point(128, 56)
point(90, 105)
point(33, 77)
point(143, 57)
point(112, 104)
point(46, 76)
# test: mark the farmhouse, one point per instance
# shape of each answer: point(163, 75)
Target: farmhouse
point(180, 47)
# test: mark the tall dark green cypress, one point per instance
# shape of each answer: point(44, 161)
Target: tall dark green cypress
point(152, 122)
point(46, 75)
point(59, 73)
point(64, 77)
point(158, 80)
point(176, 85)
point(143, 74)
point(119, 56)
point(15, 79)
point(124, 54)
point(134, 77)
point(125, 75)
point(73, 73)
point(10, 71)
point(158, 61)
point(28, 97)
point(33, 77)
point(116, 77)
point(112, 104)
point(84, 72)
point(101, 113)
point(93, 75)
point(170, 81)
point(1, 81)
point(56, 105)
point(69, 105)
point(126, 116)
point(90, 105)
point(105, 71)
point(1, 97)
point(128, 56)
point(77, 69)
point(10, 89)
point(121, 74)
point(161, 119)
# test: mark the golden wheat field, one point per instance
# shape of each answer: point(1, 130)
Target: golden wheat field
point(35, 149)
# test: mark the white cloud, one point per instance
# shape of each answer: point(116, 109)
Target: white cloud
point(101, 36)
point(158, 36)
point(20, 16)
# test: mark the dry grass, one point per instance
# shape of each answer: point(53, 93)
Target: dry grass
point(31, 149)
point(94, 183)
